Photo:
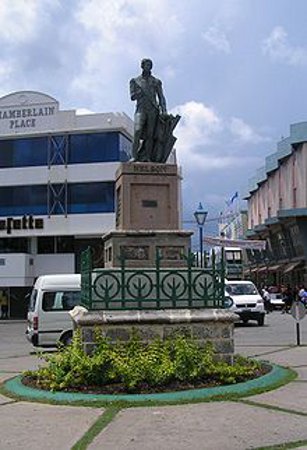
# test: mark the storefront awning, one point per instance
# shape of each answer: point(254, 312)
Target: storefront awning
point(262, 269)
point(289, 267)
point(275, 268)
point(255, 269)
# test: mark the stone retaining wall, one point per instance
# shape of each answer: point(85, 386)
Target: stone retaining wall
point(214, 325)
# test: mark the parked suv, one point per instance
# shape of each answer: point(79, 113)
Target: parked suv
point(245, 301)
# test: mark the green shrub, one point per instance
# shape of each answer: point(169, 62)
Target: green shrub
point(134, 365)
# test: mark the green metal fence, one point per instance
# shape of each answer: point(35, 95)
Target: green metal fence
point(155, 288)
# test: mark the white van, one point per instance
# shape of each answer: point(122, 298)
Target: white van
point(52, 297)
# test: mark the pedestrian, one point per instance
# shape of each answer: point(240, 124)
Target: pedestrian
point(302, 294)
point(4, 305)
point(288, 298)
point(266, 299)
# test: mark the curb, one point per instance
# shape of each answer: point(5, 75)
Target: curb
point(276, 378)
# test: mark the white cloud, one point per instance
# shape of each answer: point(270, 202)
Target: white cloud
point(205, 138)
point(6, 71)
point(217, 40)
point(83, 111)
point(197, 125)
point(277, 47)
point(19, 19)
point(245, 133)
point(121, 33)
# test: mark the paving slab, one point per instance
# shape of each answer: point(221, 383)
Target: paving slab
point(302, 373)
point(210, 426)
point(4, 400)
point(20, 363)
point(31, 426)
point(292, 396)
point(291, 357)
point(258, 351)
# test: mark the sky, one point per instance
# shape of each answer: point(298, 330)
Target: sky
point(235, 70)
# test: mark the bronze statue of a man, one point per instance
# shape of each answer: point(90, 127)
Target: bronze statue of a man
point(153, 140)
point(150, 102)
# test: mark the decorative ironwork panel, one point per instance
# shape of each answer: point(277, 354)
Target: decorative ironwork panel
point(86, 278)
point(151, 288)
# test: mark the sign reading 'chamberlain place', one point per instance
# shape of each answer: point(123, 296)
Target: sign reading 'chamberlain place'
point(25, 117)
point(25, 223)
point(26, 112)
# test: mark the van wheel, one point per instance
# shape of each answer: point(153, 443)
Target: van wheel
point(66, 339)
point(261, 321)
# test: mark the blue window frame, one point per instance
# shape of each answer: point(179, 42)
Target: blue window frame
point(96, 147)
point(23, 152)
point(19, 200)
point(69, 148)
point(91, 197)
point(125, 148)
point(82, 198)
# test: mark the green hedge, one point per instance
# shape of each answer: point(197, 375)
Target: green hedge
point(134, 365)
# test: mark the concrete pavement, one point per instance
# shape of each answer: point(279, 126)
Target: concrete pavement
point(268, 419)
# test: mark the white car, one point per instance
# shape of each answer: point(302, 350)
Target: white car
point(245, 300)
point(276, 301)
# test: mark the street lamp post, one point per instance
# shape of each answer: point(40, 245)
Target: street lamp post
point(200, 216)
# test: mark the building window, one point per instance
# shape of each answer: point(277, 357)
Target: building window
point(45, 245)
point(55, 244)
point(269, 212)
point(65, 149)
point(82, 198)
point(14, 245)
point(23, 152)
point(91, 197)
point(280, 203)
point(19, 200)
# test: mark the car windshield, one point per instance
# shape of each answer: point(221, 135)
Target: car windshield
point(241, 289)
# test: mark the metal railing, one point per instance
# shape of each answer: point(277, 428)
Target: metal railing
point(152, 288)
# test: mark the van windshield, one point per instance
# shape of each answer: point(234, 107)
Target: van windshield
point(61, 300)
point(241, 289)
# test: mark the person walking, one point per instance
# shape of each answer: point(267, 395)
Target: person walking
point(266, 299)
point(4, 305)
point(288, 298)
point(302, 294)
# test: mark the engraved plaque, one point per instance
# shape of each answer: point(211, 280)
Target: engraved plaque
point(149, 203)
point(134, 252)
point(171, 253)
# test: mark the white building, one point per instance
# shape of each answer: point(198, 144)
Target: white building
point(57, 172)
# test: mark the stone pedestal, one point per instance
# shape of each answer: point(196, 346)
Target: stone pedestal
point(139, 248)
point(203, 325)
point(147, 196)
point(147, 218)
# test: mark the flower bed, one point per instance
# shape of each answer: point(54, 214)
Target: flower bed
point(160, 366)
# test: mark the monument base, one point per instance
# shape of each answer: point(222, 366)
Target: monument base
point(140, 248)
point(202, 325)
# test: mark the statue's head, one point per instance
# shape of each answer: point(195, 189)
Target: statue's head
point(146, 64)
